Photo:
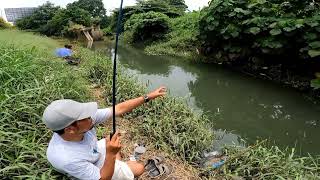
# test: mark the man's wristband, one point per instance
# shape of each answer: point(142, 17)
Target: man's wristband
point(146, 98)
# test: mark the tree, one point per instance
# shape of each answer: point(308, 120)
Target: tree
point(39, 17)
point(178, 4)
point(64, 17)
point(105, 22)
point(94, 7)
point(145, 6)
point(159, 6)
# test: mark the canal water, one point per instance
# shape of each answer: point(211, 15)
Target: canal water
point(240, 107)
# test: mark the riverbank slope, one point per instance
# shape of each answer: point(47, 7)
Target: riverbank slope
point(32, 77)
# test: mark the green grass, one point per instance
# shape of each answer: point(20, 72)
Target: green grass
point(32, 78)
point(265, 161)
point(42, 44)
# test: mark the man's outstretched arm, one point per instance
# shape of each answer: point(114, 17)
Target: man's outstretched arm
point(129, 105)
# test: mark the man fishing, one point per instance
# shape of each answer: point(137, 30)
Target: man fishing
point(74, 149)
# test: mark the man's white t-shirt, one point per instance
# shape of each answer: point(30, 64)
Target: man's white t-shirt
point(83, 159)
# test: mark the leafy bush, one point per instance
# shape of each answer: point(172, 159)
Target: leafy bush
point(261, 27)
point(171, 8)
point(182, 39)
point(107, 31)
point(145, 27)
point(4, 24)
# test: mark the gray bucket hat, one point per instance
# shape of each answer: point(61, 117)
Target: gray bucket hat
point(61, 113)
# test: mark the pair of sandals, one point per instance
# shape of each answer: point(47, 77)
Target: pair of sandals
point(156, 168)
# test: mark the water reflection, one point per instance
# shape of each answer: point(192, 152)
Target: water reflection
point(244, 106)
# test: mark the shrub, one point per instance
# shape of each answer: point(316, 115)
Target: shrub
point(182, 39)
point(4, 24)
point(107, 31)
point(262, 27)
point(145, 27)
point(171, 8)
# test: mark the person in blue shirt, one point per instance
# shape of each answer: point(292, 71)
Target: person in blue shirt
point(64, 52)
point(67, 54)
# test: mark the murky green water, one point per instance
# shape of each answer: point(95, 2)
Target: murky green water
point(240, 107)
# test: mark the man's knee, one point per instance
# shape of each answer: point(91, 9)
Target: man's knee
point(136, 168)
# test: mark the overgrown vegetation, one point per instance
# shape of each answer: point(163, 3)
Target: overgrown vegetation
point(182, 39)
point(258, 28)
point(171, 8)
point(262, 161)
point(145, 27)
point(274, 40)
point(52, 20)
point(32, 78)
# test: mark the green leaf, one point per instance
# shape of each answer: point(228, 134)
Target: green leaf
point(210, 28)
point(312, 23)
point(314, 53)
point(261, 1)
point(275, 32)
point(254, 30)
point(252, 5)
point(289, 29)
point(315, 83)
point(315, 45)
point(240, 10)
point(273, 25)
point(310, 36)
point(232, 14)
point(235, 34)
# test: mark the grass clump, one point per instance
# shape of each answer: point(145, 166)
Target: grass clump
point(262, 161)
point(30, 80)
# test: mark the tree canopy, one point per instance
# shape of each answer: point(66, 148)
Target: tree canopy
point(39, 17)
point(94, 7)
point(52, 20)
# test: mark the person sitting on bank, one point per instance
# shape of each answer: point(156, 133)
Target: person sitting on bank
point(64, 52)
point(74, 149)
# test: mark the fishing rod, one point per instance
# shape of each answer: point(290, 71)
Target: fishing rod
point(115, 71)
